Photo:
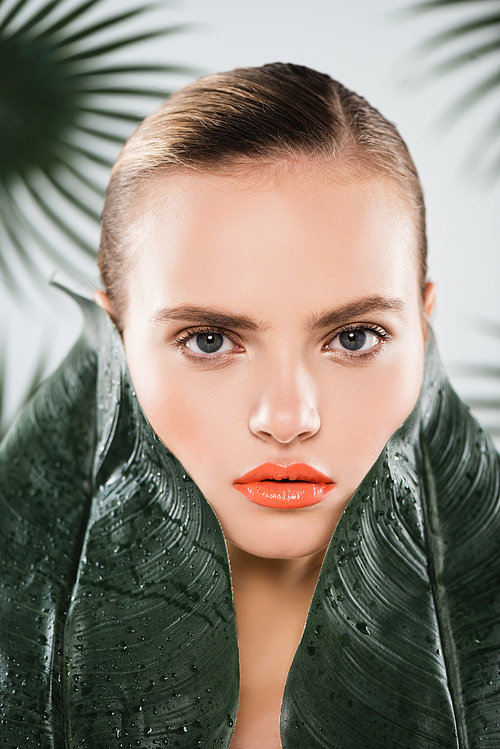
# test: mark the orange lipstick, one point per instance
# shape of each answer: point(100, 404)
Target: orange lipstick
point(284, 487)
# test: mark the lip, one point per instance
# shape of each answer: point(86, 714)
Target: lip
point(284, 487)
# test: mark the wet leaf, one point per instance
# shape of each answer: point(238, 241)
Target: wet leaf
point(408, 599)
point(117, 614)
point(118, 625)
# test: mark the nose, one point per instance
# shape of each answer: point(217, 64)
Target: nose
point(286, 408)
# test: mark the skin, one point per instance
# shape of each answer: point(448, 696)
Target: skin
point(295, 252)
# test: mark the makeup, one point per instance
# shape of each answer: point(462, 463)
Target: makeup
point(322, 259)
point(284, 487)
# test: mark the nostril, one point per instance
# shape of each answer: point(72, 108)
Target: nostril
point(287, 409)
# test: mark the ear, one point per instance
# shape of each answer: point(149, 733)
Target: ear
point(102, 299)
point(429, 297)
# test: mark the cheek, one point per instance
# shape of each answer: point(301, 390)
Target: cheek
point(191, 414)
point(191, 423)
point(370, 409)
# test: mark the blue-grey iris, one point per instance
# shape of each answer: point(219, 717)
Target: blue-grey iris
point(209, 343)
point(353, 340)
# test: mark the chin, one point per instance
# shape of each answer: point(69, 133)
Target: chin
point(273, 544)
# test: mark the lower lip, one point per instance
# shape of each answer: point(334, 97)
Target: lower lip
point(285, 495)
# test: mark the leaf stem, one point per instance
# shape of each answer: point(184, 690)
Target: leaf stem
point(435, 555)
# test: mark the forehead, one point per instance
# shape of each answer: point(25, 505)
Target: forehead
point(278, 234)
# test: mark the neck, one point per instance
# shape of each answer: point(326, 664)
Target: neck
point(275, 572)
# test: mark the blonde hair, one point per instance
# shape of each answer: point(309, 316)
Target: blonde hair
point(265, 114)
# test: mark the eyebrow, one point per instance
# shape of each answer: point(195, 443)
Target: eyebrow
point(206, 316)
point(355, 309)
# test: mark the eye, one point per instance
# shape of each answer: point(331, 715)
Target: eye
point(208, 342)
point(357, 340)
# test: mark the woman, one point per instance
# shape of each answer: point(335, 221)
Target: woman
point(264, 262)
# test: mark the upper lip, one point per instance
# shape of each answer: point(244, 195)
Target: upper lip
point(279, 472)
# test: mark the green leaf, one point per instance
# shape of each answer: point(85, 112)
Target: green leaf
point(58, 221)
point(71, 197)
point(402, 642)
point(80, 175)
point(462, 29)
point(34, 20)
point(101, 25)
point(111, 114)
point(468, 52)
point(105, 49)
point(472, 96)
point(451, 64)
point(8, 279)
point(24, 225)
point(10, 227)
point(155, 93)
point(423, 7)
point(66, 145)
point(118, 621)
point(112, 70)
point(12, 13)
point(52, 60)
point(69, 17)
point(101, 134)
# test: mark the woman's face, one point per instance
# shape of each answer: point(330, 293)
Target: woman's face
point(274, 317)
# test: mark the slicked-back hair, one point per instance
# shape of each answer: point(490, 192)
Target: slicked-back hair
point(264, 115)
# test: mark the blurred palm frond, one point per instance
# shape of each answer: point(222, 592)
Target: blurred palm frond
point(486, 403)
point(68, 100)
point(473, 41)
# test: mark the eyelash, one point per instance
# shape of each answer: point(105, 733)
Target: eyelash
point(381, 333)
point(187, 335)
point(182, 339)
